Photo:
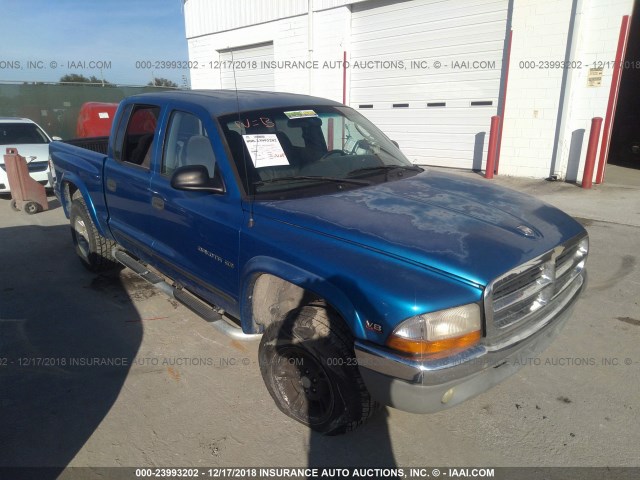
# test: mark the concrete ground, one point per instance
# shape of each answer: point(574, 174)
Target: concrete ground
point(178, 393)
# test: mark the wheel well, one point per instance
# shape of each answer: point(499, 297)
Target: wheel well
point(70, 192)
point(273, 297)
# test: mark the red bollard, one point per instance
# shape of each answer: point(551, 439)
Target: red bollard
point(589, 164)
point(493, 142)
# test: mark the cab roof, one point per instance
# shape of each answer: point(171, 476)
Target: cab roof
point(221, 102)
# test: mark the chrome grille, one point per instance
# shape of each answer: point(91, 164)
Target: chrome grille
point(524, 292)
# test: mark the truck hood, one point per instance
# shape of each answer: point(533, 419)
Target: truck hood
point(463, 227)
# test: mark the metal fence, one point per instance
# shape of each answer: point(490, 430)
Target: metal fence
point(55, 107)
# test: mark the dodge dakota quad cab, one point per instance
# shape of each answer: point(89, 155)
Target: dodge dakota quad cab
point(294, 219)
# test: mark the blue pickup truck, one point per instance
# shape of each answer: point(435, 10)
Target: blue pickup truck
point(294, 220)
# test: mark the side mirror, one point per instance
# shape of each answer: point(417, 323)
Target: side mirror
point(195, 178)
point(56, 139)
point(395, 143)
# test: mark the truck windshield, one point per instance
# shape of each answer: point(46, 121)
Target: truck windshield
point(21, 133)
point(310, 150)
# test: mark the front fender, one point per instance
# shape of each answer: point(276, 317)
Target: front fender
point(304, 279)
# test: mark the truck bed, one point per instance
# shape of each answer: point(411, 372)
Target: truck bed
point(95, 144)
point(81, 162)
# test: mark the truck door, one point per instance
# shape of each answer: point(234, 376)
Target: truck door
point(195, 233)
point(127, 177)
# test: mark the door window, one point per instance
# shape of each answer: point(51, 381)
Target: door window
point(187, 144)
point(140, 134)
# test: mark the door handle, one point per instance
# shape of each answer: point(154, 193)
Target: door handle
point(111, 185)
point(157, 203)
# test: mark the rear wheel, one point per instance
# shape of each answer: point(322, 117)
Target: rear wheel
point(14, 206)
point(92, 248)
point(309, 367)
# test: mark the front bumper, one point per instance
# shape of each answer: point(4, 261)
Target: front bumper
point(431, 385)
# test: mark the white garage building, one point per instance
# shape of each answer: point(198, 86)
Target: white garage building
point(432, 73)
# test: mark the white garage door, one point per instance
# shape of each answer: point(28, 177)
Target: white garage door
point(439, 113)
point(247, 62)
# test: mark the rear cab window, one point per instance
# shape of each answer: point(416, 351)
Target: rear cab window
point(135, 138)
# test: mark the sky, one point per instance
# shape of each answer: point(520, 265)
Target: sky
point(42, 40)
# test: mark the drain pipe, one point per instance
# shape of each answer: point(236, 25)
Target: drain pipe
point(344, 77)
point(568, 81)
point(310, 42)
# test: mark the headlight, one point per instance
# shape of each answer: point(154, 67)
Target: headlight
point(430, 333)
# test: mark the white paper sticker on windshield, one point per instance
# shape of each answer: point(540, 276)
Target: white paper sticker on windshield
point(265, 150)
point(300, 114)
point(103, 114)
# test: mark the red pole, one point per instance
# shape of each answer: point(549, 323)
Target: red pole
point(613, 97)
point(344, 77)
point(587, 175)
point(504, 99)
point(493, 141)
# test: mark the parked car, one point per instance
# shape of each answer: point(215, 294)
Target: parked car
point(32, 143)
point(95, 119)
point(371, 280)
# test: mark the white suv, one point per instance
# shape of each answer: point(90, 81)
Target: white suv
point(32, 143)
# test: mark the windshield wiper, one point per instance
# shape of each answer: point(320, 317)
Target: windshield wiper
point(387, 168)
point(313, 177)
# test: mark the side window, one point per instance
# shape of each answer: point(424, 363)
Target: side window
point(187, 144)
point(139, 135)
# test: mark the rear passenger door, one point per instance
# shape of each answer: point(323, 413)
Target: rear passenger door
point(127, 176)
point(195, 233)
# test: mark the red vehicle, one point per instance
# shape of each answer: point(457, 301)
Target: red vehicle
point(95, 118)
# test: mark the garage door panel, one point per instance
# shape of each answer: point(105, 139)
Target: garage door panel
point(415, 93)
point(405, 118)
point(460, 142)
point(449, 27)
point(434, 153)
point(386, 78)
point(447, 31)
point(244, 77)
point(436, 47)
point(436, 132)
point(373, 8)
point(371, 11)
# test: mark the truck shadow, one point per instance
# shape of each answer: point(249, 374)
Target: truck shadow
point(66, 347)
point(368, 447)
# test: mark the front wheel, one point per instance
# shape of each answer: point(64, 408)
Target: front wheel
point(92, 248)
point(309, 367)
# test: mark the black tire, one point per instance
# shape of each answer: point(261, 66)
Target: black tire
point(308, 365)
point(32, 208)
point(14, 205)
point(92, 248)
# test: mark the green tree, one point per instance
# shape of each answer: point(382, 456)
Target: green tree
point(162, 82)
point(79, 78)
